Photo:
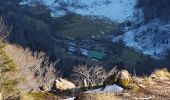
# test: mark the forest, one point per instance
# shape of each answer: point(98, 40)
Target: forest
point(155, 9)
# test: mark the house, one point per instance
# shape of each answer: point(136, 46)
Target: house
point(96, 54)
point(88, 53)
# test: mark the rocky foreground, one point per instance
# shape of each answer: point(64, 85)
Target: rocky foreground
point(23, 85)
point(116, 87)
point(154, 87)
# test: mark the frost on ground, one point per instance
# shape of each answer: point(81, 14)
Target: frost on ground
point(55, 8)
point(108, 88)
point(151, 39)
point(69, 98)
point(115, 10)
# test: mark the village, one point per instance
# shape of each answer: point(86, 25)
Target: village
point(87, 51)
point(96, 49)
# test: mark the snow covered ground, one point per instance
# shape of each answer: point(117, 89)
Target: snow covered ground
point(69, 98)
point(115, 10)
point(151, 39)
point(108, 88)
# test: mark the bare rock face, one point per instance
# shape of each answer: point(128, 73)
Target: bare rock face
point(62, 84)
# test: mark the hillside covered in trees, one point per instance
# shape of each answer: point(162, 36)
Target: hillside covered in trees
point(155, 9)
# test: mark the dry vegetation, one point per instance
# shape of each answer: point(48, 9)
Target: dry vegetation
point(90, 76)
point(4, 32)
point(154, 87)
point(34, 67)
point(97, 96)
point(22, 70)
point(7, 66)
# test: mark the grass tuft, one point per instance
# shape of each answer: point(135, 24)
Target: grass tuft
point(162, 74)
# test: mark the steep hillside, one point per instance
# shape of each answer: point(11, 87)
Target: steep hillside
point(155, 9)
point(21, 72)
point(115, 10)
point(71, 36)
point(144, 38)
point(150, 33)
point(63, 37)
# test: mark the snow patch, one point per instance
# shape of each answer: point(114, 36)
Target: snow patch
point(152, 39)
point(24, 2)
point(115, 10)
point(117, 39)
point(108, 88)
point(58, 13)
point(69, 98)
point(72, 49)
point(84, 51)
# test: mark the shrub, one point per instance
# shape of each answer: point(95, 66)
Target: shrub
point(162, 74)
point(89, 76)
point(34, 67)
point(3, 30)
point(21, 69)
point(84, 75)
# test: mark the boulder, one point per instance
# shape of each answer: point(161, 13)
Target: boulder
point(124, 78)
point(62, 84)
point(121, 78)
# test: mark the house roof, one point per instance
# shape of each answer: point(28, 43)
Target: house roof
point(96, 54)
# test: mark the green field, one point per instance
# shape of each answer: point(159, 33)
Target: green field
point(80, 27)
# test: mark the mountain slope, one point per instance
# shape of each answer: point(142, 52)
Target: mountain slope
point(115, 10)
point(147, 39)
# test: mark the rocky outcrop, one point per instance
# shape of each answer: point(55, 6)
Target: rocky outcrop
point(62, 84)
point(124, 78)
point(121, 78)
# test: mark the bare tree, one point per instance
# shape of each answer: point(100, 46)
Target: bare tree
point(35, 67)
point(4, 32)
point(112, 71)
point(47, 73)
point(89, 75)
